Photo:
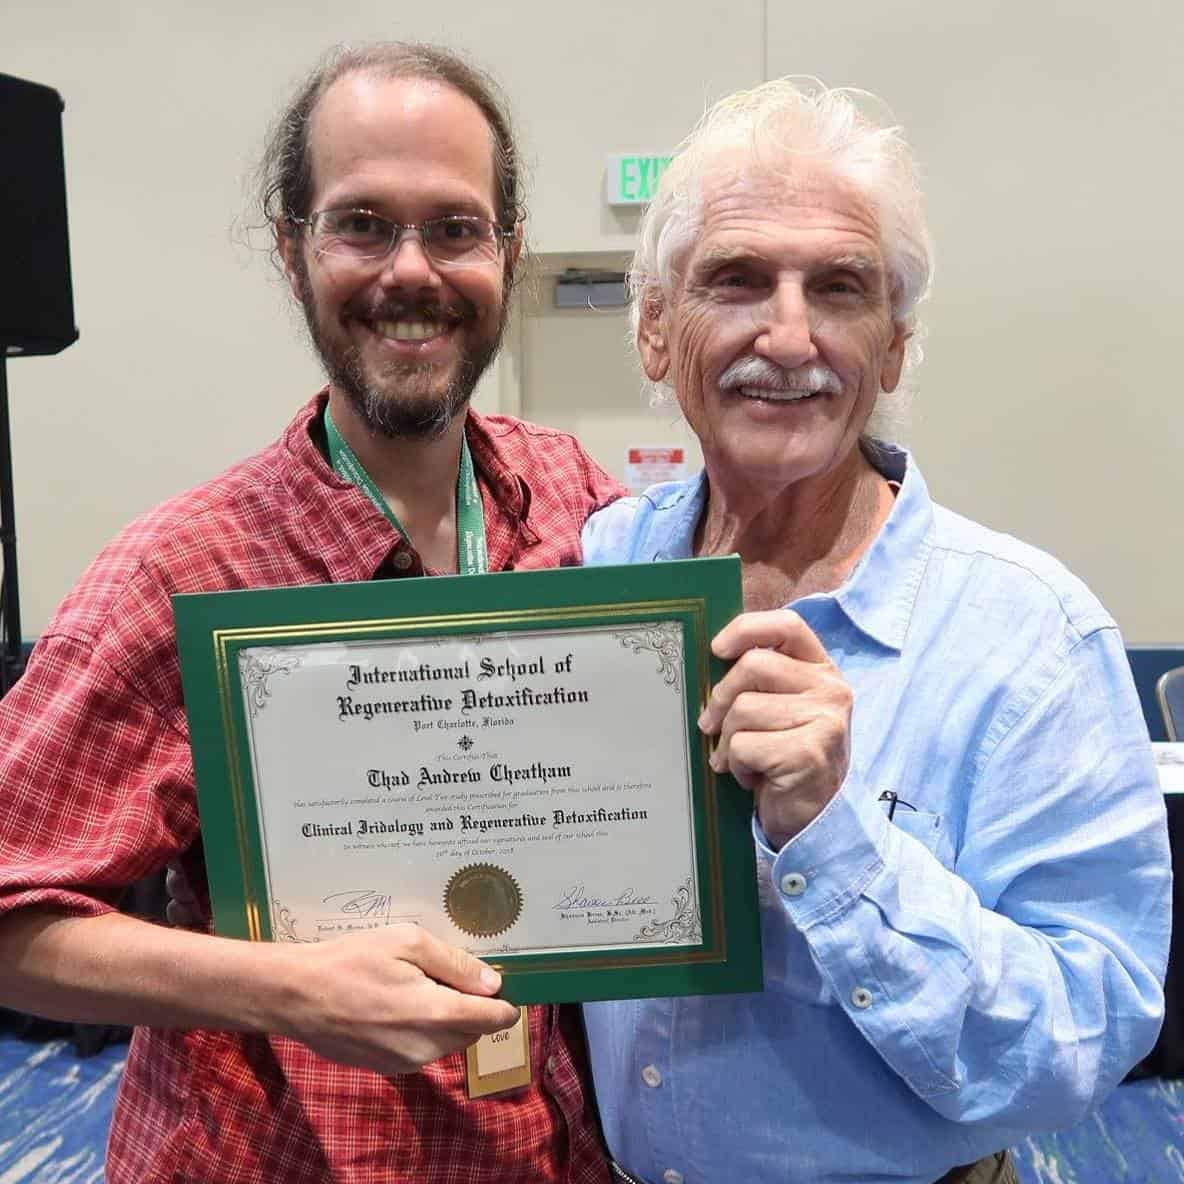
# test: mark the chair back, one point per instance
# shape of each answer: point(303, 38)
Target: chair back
point(1169, 690)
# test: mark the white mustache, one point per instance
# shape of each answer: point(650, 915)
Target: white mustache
point(760, 372)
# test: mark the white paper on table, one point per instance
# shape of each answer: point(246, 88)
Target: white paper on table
point(1169, 761)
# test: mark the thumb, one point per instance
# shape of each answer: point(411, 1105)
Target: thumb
point(455, 967)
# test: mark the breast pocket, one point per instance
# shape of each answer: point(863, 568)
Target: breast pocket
point(929, 829)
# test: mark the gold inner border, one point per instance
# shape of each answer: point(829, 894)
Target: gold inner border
point(395, 626)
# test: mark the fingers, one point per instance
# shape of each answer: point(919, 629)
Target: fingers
point(758, 671)
point(794, 759)
point(772, 673)
point(466, 980)
point(782, 716)
point(422, 1050)
point(181, 910)
point(779, 736)
point(376, 1000)
point(178, 916)
point(778, 629)
point(177, 885)
point(469, 1015)
point(444, 963)
point(752, 713)
point(785, 762)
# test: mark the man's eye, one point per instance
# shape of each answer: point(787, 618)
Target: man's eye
point(842, 287)
point(358, 224)
point(457, 230)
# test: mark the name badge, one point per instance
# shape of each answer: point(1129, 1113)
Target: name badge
point(501, 1061)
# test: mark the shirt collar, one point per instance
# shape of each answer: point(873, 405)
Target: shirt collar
point(341, 524)
point(511, 491)
point(675, 511)
point(878, 596)
point(361, 539)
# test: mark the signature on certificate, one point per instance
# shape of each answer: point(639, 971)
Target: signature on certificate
point(361, 902)
point(576, 898)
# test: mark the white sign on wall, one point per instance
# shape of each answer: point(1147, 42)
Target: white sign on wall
point(648, 465)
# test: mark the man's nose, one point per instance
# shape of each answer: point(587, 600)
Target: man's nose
point(407, 264)
point(787, 332)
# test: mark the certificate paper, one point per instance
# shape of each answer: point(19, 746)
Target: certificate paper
point(524, 780)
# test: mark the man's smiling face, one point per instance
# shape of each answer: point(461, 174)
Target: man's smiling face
point(779, 336)
point(404, 339)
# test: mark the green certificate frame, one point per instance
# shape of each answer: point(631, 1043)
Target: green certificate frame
point(512, 760)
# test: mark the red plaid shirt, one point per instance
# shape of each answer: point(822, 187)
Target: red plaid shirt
point(96, 791)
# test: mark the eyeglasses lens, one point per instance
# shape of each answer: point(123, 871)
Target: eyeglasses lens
point(360, 235)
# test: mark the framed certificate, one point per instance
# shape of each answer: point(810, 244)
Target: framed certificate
point(510, 760)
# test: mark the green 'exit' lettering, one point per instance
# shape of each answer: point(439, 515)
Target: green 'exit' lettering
point(640, 176)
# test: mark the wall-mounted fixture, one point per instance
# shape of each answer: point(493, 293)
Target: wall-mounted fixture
point(577, 287)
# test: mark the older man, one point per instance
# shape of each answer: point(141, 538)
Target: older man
point(392, 184)
point(961, 847)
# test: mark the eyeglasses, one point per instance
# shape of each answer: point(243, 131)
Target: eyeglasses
point(456, 240)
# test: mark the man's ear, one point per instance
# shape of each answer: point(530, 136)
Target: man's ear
point(894, 359)
point(651, 339)
point(287, 243)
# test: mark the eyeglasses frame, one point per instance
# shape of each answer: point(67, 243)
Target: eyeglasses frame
point(501, 234)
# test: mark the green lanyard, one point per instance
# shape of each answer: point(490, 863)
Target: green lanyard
point(472, 558)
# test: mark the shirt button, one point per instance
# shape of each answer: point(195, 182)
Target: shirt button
point(793, 884)
point(670, 1176)
point(651, 1076)
point(551, 1065)
point(861, 997)
point(402, 560)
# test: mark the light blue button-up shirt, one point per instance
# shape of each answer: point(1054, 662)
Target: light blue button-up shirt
point(986, 964)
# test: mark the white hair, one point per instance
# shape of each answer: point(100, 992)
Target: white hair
point(780, 120)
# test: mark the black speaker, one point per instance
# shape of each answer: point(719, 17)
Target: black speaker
point(36, 297)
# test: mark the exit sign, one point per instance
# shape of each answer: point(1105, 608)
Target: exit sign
point(631, 178)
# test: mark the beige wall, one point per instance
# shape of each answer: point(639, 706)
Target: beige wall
point(1050, 136)
point(579, 372)
point(1052, 140)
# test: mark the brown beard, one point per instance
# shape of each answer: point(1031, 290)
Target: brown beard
point(416, 414)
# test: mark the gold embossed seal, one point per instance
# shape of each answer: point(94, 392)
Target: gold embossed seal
point(482, 900)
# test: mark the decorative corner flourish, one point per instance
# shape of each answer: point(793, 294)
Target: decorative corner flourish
point(255, 672)
point(285, 925)
point(684, 926)
point(663, 638)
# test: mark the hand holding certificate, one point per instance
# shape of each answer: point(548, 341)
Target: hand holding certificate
point(391, 1001)
point(525, 781)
